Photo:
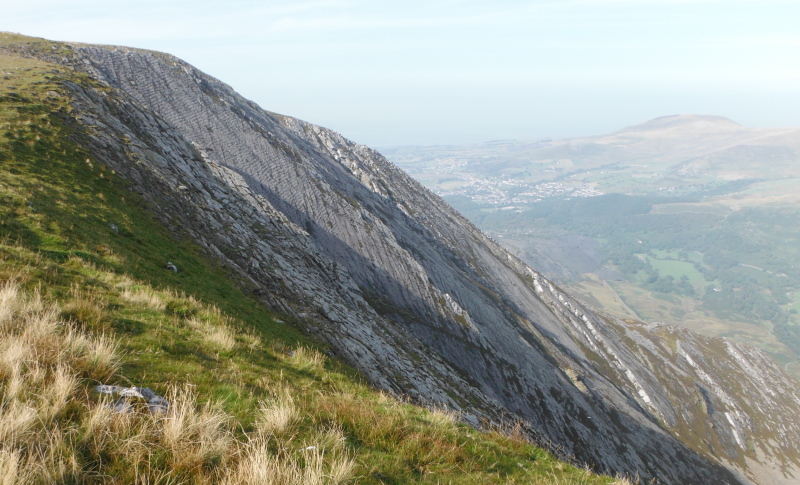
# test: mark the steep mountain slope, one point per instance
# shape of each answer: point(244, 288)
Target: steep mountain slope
point(412, 294)
point(87, 297)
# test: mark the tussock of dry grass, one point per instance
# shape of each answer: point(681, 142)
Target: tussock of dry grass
point(278, 417)
point(219, 335)
point(85, 309)
point(194, 436)
point(307, 466)
point(442, 417)
point(622, 480)
point(144, 296)
point(308, 359)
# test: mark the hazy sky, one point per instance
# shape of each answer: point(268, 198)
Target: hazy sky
point(461, 71)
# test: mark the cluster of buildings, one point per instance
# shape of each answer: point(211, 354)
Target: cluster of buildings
point(510, 192)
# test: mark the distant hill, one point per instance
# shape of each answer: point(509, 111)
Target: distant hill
point(680, 125)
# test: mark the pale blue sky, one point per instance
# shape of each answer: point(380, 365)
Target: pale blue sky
point(461, 71)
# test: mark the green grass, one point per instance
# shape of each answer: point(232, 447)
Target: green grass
point(197, 328)
point(676, 269)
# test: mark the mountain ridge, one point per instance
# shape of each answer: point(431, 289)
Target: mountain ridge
point(329, 231)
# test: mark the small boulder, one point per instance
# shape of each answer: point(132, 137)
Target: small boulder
point(129, 396)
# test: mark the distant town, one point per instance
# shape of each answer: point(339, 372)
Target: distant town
point(503, 192)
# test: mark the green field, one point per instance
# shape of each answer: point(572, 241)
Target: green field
point(675, 268)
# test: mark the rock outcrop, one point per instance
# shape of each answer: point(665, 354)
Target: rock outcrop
point(408, 291)
point(127, 397)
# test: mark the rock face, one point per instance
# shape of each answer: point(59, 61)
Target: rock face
point(409, 292)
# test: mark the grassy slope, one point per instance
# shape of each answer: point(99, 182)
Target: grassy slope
point(195, 328)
